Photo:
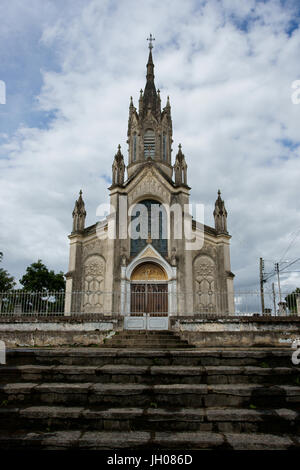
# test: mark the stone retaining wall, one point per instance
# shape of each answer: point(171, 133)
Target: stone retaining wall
point(238, 332)
point(57, 331)
point(22, 331)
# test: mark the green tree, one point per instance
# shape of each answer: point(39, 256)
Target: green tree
point(38, 278)
point(291, 300)
point(7, 281)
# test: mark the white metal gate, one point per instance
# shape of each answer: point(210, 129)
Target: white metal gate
point(148, 307)
point(146, 321)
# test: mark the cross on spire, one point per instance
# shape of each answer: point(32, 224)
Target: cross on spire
point(150, 39)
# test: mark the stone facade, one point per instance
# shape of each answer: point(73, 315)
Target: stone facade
point(102, 268)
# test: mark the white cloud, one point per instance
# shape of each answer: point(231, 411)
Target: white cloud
point(228, 68)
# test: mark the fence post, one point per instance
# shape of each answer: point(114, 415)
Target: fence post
point(298, 303)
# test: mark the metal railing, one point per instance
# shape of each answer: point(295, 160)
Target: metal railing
point(22, 302)
point(151, 301)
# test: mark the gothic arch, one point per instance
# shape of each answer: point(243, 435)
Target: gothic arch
point(149, 271)
point(143, 258)
point(144, 197)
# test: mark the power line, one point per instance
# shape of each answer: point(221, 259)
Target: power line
point(268, 276)
point(291, 271)
point(293, 262)
point(291, 243)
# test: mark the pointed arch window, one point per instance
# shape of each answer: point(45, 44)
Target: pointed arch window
point(151, 224)
point(134, 145)
point(164, 147)
point(149, 143)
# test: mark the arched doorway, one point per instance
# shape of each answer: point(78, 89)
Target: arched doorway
point(149, 290)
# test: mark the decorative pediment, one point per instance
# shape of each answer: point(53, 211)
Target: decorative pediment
point(150, 120)
point(149, 253)
point(149, 184)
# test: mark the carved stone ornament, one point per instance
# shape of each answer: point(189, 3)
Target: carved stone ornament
point(209, 250)
point(149, 185)
point(91, 247)
point(204, 284)
point(149, 272)
point(94, 272)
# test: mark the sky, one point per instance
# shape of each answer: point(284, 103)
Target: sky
point(228, 66)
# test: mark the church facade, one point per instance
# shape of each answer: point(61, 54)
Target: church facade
point(149, 256)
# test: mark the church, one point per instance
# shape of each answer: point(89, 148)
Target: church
point(149, 259)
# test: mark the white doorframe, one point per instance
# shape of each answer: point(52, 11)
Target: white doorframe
point(146, 321)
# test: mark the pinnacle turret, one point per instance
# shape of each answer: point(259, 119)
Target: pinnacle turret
point(180, 168)
point(118, 168)
point(79, 214)
point(220, 215)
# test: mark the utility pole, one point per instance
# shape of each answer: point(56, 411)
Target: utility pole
point(274, 297)
point(278, 279)
point(261, 281)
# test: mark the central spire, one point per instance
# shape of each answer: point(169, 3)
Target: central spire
point(150, 68)
point(150, 94)
point(149, 128)
point(150, 65)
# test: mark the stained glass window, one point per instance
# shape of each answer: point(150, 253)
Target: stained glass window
point(154, 231)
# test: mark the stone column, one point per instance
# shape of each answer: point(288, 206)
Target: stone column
point(73, 276)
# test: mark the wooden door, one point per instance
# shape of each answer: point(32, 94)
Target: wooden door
point(149, 298)
point(138, 298)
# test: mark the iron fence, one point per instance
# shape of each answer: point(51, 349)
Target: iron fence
point(22, 302)
point(147, 300)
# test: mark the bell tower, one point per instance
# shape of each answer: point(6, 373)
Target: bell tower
point(149, 128)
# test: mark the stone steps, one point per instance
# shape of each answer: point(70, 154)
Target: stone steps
point(41, 418)
point(146, 340)
point(120, 373)
point(145, 334)
point(187, 357)
point(171, 395)
point(116, 398)
point(150, 345)
point(97, 440)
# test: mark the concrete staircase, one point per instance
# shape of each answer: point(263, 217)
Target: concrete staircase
point(109, 398)
point(146, 340)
